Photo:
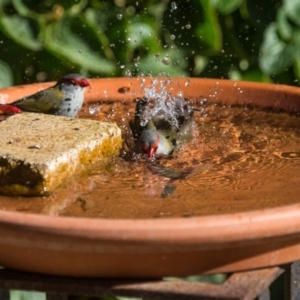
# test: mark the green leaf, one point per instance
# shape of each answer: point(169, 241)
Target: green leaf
point(285, 29)
point(6, 76)
point(277, 55)
point(138, 34)
point(296, 66)
point(4, 2)
point(168, 62)
point(255, 75)
point(20, 30)
point(61, 41)
point(292, 9)
point(234, 73)
point(24, 295)
point(76, 8)
point(192, 26)
point(226, 7)
point(21, 8)
point(209, 30)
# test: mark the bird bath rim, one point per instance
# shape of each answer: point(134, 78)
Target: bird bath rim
point(202, 230)
point(257, 238)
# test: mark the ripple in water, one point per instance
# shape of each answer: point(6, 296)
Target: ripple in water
point(238, 159)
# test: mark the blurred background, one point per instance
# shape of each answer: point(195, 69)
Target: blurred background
point(257, 40)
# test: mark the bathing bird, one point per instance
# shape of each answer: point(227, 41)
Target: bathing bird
point(158, 130)
point(65, 98)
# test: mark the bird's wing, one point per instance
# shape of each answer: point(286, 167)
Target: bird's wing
point(42, 102)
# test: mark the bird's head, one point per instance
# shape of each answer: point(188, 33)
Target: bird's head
point(149, 142)
point(74, 79)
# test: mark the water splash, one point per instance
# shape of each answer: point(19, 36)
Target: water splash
point(161, 103)
point(94, 109)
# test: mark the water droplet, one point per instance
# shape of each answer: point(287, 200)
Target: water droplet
point(173, 6)
point(165, 61)
point(119, 16)
point(187, 83)
point(188, 26)
point(128, 74)
point(94, 109)
point(172, 37)
point(122, 66)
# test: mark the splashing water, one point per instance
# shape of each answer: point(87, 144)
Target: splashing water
point(162, 103)
point(94, 109)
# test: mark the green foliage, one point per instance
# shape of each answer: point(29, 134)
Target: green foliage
point(25, 295)
point(237, 39)
point(226, 7)
point(282, 41)
point(19, 30)
point(6, 76)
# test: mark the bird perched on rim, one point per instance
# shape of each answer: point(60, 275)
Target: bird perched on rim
point(156, 131)
point(65, 98)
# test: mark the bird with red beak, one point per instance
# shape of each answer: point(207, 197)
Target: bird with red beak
point(65, 98)
point(160, 133)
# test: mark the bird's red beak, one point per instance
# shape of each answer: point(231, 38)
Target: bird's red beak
point(151, 152)
point(151, 148)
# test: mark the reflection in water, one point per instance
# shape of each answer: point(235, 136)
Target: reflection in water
point(238, 159)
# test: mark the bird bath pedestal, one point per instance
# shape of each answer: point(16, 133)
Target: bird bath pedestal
point(144, 248)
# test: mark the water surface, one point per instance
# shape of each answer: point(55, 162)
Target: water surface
point(238, 159)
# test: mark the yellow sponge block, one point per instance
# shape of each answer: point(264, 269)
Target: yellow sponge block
point(39, 152)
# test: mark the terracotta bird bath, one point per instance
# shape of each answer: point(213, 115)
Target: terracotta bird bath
point(130, 248)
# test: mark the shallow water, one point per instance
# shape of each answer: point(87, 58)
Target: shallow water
point(237, 159)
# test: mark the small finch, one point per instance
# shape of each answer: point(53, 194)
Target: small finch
point(65, 98)
point(161, 132)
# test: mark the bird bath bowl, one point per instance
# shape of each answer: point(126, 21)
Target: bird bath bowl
point(127, 248)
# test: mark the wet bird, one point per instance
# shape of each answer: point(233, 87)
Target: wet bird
point(157, 131)
point(65, 98)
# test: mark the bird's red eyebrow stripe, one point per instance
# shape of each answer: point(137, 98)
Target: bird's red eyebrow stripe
point(83, 82)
